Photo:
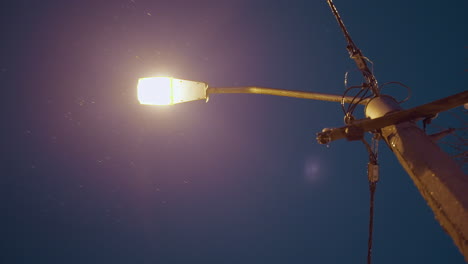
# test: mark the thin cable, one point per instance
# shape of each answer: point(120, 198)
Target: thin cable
point(402, 85)
point(356, 54)
point(361, 98)
point(353, 98)
point(372, 187)
point(373, 177)
point(352, 103)
point(358, 98)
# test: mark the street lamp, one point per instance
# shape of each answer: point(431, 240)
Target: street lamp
point(169, 91)
point(438, 178)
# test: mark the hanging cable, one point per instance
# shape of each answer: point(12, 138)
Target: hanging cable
point(361, 95)
point(408, 89)
point(361, 87)
point(372, 187)
point(356, 54)
point(373, 177)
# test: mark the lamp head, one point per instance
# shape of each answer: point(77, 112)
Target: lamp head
point(169, 91)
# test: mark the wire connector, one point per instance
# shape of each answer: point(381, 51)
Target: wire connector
point(373, 172)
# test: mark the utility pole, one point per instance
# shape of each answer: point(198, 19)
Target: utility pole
point(439, 179)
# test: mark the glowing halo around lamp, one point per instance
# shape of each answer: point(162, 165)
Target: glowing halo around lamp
point(169, 91)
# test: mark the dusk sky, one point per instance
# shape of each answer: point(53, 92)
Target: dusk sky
point(88, 175)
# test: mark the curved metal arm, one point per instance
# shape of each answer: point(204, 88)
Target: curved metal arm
point(282, 92)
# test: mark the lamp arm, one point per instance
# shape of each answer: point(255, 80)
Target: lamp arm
point(281, 92)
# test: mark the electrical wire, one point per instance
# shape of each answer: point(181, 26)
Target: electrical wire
point(372, 187)
point(373, 179)
point(356, 54)
point(359, 97)
point(409, 90)
point(353, 106)
point(345, 111)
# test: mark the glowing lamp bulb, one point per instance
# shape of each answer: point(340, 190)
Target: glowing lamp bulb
point(155, 91)
point(169, 91)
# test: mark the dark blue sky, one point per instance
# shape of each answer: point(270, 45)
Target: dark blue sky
point(91, 176)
